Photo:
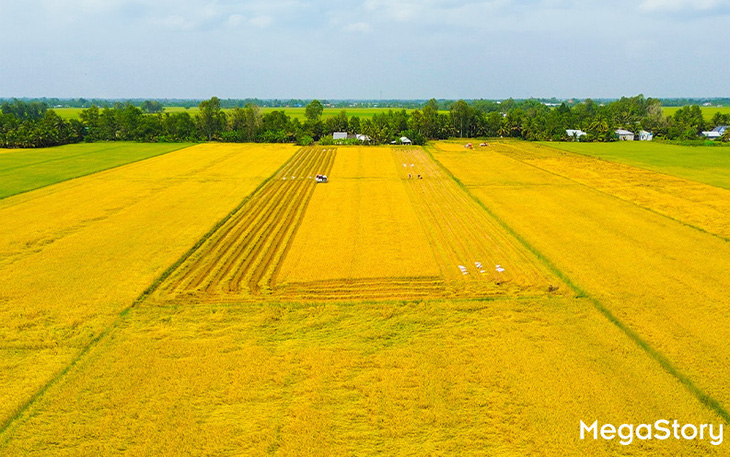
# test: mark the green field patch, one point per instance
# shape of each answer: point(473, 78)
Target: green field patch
point(707, 111)
point(293, 112)
point(68, 113)
point(22, 170)
point(709, 165)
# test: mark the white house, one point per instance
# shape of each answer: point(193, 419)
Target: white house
point(645, 136)
point(624, 135)
point(575, 134)
point(716, 133)
point(405, 140)
point(339, 136)
point(363, 138)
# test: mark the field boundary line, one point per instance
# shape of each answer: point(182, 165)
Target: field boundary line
point(188, 145)
point(608, 194)
point(15, 416)
point(707, 400)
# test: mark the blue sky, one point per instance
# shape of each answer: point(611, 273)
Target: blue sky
point(363, 49)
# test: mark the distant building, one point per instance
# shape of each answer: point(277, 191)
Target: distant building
point(405, 140)
point(363, 138)
point(645, 136)
point(624, 135)
point(575, 134)
point(339, 136)
point(716, 133)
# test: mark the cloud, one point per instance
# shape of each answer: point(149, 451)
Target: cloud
point(174, 22)
point(682, 6)
point(261, 21)
point(234, 20)
point(510, 47)
point(359, 27)
point(402, 11)
point(410, 10)
point(472, 13)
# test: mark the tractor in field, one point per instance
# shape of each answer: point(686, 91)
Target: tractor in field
point(321, 178)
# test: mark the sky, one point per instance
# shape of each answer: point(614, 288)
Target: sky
point(364, 49)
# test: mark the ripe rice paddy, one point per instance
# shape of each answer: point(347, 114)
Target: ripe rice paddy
point(76, 254)
point(216, 300)
point(662, 278)
point(389, 192)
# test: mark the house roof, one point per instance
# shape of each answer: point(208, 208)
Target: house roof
point(623, 132)
point(720, 129)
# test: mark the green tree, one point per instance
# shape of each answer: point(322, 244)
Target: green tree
point(430, 124)
point(253, 121)
point(129, 118)
point(687, 123)
point(211, 119)
point(151, 106)
point(461, 117)
point(179, 127)
point(354, 125)
point(90, 118)
point(313, 111)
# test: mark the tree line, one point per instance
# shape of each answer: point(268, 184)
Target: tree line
point(33, 124)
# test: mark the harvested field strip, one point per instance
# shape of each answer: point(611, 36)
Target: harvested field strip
point(398, 288)
point(269, 233)
point(286, 230)
point(364, 288)
point(275, 229)
point(360, 225)
point(467, 243)
point(696, 204)
point(247, 248)
point(257, 207)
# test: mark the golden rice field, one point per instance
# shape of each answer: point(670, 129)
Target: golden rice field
point(700, 205)
point(366, 206)
point(662, 277)
point(426, 301)
point(418, 378)
point(371, 233)
point(74, 255)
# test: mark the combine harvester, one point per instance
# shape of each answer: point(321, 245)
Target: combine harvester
point(321, 178)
